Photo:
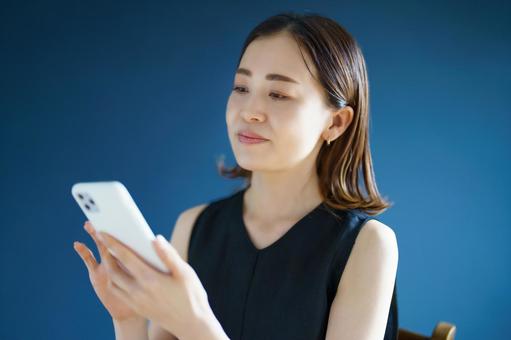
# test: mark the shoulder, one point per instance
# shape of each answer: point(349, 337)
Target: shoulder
point(185, 222)
point(365, 290)
point(375, 252)
point(182, 229)
point(190, 215)
point(377, 236)
point(376, 246)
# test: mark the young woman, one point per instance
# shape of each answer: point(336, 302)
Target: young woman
point(295, 254)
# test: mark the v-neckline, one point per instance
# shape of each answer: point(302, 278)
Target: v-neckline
point(286, 235)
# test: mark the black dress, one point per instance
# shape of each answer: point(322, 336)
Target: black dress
point(282, 291)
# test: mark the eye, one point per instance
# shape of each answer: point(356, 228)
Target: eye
point(237, 89)
point(279, 96)
point(276, 96)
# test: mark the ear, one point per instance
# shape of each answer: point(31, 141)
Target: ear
point(339, 121)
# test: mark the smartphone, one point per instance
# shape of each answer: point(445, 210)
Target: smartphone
point(110, 208)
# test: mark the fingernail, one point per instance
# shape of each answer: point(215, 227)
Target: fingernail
point(160, 239)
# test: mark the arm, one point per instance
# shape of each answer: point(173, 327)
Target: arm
point(360, 308)
point(130, 329)
point(179, 239)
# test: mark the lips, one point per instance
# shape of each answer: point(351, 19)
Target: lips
point(250, 135)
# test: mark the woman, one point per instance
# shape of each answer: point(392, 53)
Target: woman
point(295, 254)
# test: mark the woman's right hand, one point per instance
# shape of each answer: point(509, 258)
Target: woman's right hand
point(99, 277)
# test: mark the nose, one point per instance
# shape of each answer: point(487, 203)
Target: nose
point(251, 111)
point(251, 116)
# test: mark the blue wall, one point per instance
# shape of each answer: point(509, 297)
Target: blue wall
point(137, 93)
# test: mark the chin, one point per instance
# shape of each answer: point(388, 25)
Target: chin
point(250, 164)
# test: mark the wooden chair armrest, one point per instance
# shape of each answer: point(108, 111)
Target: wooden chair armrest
point(444, 331)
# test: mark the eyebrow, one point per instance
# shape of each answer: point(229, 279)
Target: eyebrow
point(269, 76)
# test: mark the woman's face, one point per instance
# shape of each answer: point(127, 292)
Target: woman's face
point(292, 115)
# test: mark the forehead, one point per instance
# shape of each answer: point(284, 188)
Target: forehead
point(278, 54)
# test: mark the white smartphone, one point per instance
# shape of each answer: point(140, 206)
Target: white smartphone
point(111, 209)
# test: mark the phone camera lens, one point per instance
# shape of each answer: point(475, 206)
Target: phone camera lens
point(81, 196)
point(91, 201)
point(87, 207)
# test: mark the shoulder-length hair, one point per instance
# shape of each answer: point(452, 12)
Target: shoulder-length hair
point(342, 74)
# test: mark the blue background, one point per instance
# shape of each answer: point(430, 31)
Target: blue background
point(137, 92)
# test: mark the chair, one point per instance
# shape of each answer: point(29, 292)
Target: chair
point(442, 331)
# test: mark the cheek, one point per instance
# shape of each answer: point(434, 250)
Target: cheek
point(291, 122)
point(293, 135)
point(229, 113)
point(297, 134)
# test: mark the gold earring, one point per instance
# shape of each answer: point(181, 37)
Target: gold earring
point(328, 142)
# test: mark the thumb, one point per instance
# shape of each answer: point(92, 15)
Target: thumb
point(169, 255)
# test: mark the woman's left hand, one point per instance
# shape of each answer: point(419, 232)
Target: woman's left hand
point(176, 301)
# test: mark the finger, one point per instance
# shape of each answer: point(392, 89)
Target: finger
point(169, 255)
point(86, 255)
point(92, 232)
point(119, 263)
point(129, 259)
point(117, 275)
point(123, 295)
point(100, 246)
point(103, 250)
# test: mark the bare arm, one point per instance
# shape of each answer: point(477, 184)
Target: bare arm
point(360, 308)
point(180, 239)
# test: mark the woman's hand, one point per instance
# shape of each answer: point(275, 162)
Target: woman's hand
point(119, 310)
point(176, 301)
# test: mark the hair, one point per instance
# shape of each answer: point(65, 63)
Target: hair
point(342, 74)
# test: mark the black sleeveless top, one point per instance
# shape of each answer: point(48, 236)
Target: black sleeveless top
point(285, 290)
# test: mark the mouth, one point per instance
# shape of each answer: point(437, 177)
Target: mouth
point(250, 140)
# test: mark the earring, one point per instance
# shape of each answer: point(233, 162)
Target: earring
point(328, 142)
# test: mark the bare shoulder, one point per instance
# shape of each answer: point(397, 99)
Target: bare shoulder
point(376, 234)
point(375, 248)
point(376, 242)
point(182, 230)
point(361, 306)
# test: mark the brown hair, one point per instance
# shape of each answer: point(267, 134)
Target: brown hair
point(343, 75)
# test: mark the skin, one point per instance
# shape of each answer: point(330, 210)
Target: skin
point(284, 181)
point(98, 275)
point(284, 184)
point(284, 187)
point(133, 290)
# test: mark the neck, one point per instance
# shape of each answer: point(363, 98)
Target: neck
point(280, 196)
